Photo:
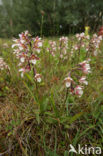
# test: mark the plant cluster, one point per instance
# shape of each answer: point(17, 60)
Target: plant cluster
point(26, 49)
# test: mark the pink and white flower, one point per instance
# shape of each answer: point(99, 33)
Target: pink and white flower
point(24, 49)
point(33, 59)
point(78, 91)
point(63, 46)
point(85, 67)
point(38, 78)
point(82, 80)
point(37, 44)
point(52, 48)
point(24, 70)
point(3, 64)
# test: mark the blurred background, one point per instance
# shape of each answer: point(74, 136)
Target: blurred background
point(49, 17)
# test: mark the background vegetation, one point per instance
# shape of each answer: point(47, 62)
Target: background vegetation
point(57, 17)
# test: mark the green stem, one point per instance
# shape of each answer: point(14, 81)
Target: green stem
point(41, 26)
point(66, 96)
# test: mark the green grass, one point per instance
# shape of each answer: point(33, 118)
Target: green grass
point(39, 122)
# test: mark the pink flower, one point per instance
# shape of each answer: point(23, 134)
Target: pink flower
point(22, 59)
point(33, 59)
point(63, 46)
point(78, 91)
point(52, 48)
point(22, 42)
point(77, 35)
point(23, 70)
point(37, 44)
point(80, 36)
point(3, 64)
point(24, 37)
point(83, 80)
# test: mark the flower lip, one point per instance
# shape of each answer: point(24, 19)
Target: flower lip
point(38, 77)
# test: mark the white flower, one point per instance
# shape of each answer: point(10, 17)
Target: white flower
point(100, 37)
point(82, 34)
point(21, 69)
point(14, 45)
point(38, 50)
point(39, 44)
point(22, 74)
point(22, 41)
point(77, 35)
point(76, 48)
point(33, 61)
point(68, 84)
point(38, 78)
point(95, 53)
point(61, 56)
point(88, 37)
point(20, 47)
point(22, 59)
